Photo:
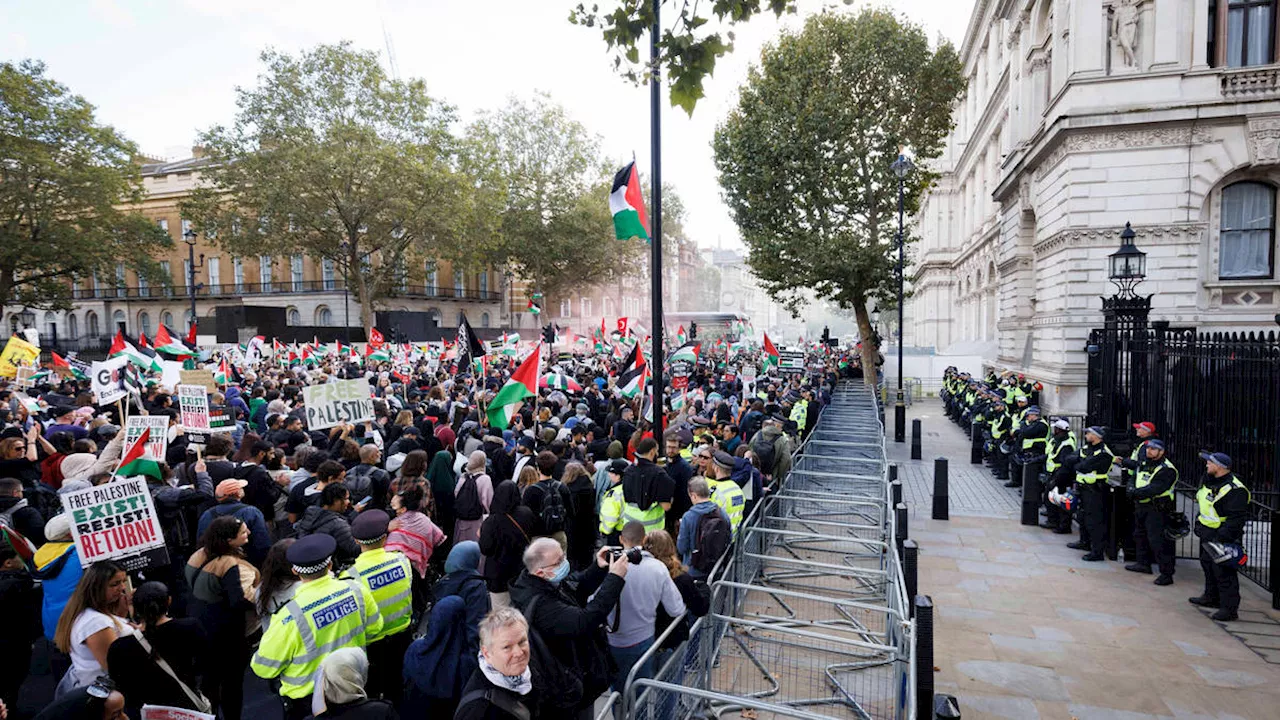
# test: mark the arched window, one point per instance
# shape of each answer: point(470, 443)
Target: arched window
point(91, 324)
point(566, 308)
point(324, 318)
point(73, 327)
point(187, 318)
point(1247, 232)
point(50, 325)
point(144, 323)
point(293, 317)
point(484, 320)
point(118, 320)
point(166, 318)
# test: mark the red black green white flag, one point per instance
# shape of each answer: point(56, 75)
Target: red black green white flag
point(523, 384)
point(627, 204)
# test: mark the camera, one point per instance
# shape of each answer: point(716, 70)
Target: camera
point(633, 555)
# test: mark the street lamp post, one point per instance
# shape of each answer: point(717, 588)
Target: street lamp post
point(901, 167)
point(189, 236)
point(346, 292)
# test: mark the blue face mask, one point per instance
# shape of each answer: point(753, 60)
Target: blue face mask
point(562, 571)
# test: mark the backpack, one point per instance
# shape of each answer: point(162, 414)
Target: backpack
point(711, 540)
point(554, 516)
point(560, 687)
point(767, 453)
point(359, 482)
point(467, 506)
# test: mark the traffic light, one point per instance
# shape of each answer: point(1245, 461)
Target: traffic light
point(693, 331)
point(826, 335)
point(549, 334)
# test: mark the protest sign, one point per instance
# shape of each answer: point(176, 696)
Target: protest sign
point(115, 521)
point(220, 420)
point(164, 712)
point(680, 374)
point(26, 376)
point(105, 377)
point(344, 401)
point(202, 377)
point(159, 441)
point(193, 404)
point(170, 373)
point(17, 352)
point(791, 360)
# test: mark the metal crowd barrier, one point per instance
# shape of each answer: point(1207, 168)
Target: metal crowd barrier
point(809, 615)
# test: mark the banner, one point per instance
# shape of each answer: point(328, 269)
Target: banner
point(332, 403)
point(26, 376)
point(105, 377)
point(680, 374)
point(159, 441)
point(220, 419)
point(17, 352)
point(193, 404)
point(114, 521)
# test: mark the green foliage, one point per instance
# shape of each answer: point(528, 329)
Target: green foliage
point(804, 159)
point(62, 176)
point(688, 50)
point(330, 157)
point(554, 223)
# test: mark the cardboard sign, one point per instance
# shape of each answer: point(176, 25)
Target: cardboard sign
point(202, 377)
point(164, 712)
point(113, 521)
point(344, 401)
point(26, 376)
point(105, 379)
point(159, 441)
point(17, 352)
point(193, 404)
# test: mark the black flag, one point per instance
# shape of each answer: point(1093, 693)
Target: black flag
point(469, 346)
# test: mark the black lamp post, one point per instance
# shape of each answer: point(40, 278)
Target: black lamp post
point(1127, 266)
point(189, 236)
point(346, 292)
point(901, 167)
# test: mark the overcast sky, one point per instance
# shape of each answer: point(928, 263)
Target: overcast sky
point(162, 70)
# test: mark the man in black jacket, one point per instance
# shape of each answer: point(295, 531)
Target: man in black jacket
point(1152, 494)
point(571, 625)
point(18, 514)
point(262, 490)
point(1223, 503)
point(1091, 483)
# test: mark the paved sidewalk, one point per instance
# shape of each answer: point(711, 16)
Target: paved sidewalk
point(1024, 629)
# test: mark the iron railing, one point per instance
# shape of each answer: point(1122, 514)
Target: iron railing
point(285, 287)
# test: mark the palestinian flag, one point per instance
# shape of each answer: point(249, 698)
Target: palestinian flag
point(64, 368)
point(169, 345)
point(535, 308)
point(376, 354)
point(627, 205)
point(308, 358)
point(137, 461)
point(688, 352)
point(770, 353)
point(678, 401)
point(634, 371)
point(222, 375)
point(523, 384)
point(122, 346)
point(681, 337)
point(559, 381)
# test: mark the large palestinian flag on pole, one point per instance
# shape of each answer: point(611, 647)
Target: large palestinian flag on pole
point(627, 204)
point(523, 384)
point(770, 353)
point(137, 461)
point(631, 379)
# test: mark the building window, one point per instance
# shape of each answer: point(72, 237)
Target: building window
point(144, 323)
point(73, 327)
point(484, 320)
point(91, 324)
point(166, 318)
point(187, 319)
point(215, 275)
point(186, 275)
point(186, 227)
point(50, 326)
point(566, 308)
point(237, 273)
point(459, 285)
point(586, 307)
point(1248, 231)
point(117, 319)
point(120, 275)
point(432, 278)
point(164, 225)
point(482, 283)
point(607, 304)
point(1241, 32)
point(144, 287)
point(167, 270)
point(326, 270)
point(264, 272)
point(324, 318)
point(295, 272)
point(294, 317)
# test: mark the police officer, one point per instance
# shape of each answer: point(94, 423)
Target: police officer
point(1001, 426)
point(1152, 494)
point(388, 576)
point(611, 521)
point(1223, 503)
point(724, 491)
point(647, 489)
point(1059, 466)
point(1091, 481)
point(1029, 440)
point(325, 614)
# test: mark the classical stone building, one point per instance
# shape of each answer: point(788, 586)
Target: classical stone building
point(1081, 116)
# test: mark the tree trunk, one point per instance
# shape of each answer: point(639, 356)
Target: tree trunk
point(870, 349)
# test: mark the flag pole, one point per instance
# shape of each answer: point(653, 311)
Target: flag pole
point(655, 115)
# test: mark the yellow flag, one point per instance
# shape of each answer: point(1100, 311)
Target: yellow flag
point(17, 352)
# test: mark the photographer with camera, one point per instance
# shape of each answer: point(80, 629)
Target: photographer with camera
point(631, 622)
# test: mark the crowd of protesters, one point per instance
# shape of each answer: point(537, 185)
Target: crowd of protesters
point(458, 569)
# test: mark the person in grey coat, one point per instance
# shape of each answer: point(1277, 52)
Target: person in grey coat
point(329, 518)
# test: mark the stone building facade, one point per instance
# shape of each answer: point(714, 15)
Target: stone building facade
point(1081, 116)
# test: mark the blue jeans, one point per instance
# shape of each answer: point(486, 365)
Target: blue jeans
point(627, 657)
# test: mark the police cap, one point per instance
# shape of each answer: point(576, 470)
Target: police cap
point(370, 526)
point(311, 554)
point(723, 459)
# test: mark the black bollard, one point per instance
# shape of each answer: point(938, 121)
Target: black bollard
point(900, 522)
point(975, 449)
point(946, 707)
point(915, 439)
point(1275, 548)
point(911, 570)
point(1031, 488)
point(924, 657)
point(941, 490)
point(893, 473)
point(895, 492)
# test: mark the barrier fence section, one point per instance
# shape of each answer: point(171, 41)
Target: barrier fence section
point(809, 612)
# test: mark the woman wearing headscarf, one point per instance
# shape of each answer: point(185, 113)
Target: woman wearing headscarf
point(447, 438)
point(473, 493)
point(438, 666)
point(501, 688)
point(503, 537)
point(340, 693)
point(442, 481)
point(462, 579)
